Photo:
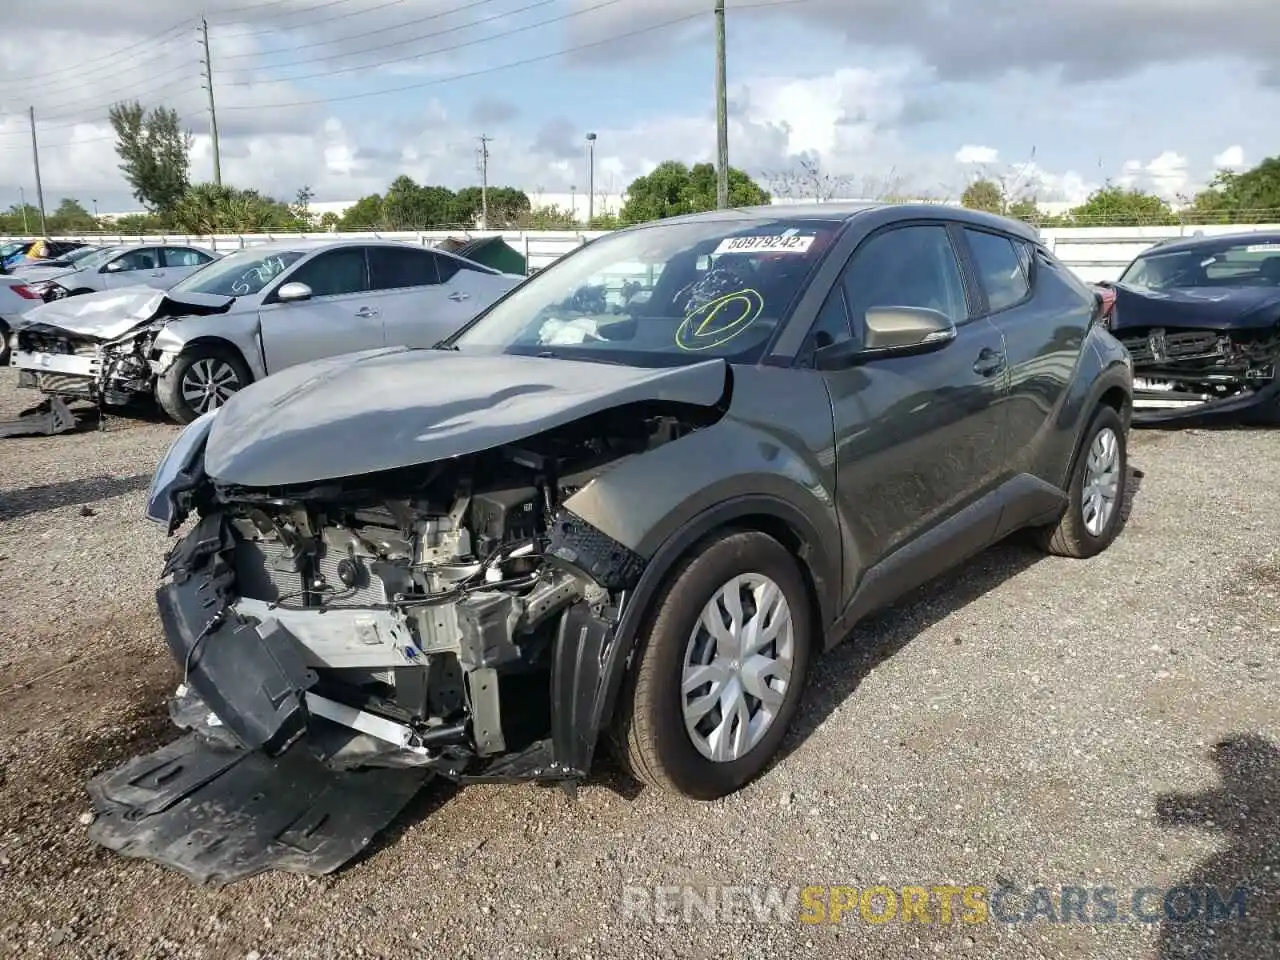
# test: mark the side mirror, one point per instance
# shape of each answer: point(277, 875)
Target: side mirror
point(890, 331)
point(291, 292)
point(115, 266)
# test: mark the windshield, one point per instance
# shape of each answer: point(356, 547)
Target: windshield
point(1238, 264)
point(82, 255)
point(661, 295)
point(98, 256)
point(239, 274)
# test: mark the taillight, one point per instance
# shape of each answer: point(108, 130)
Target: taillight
point(25, 292)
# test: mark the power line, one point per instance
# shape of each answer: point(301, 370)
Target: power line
point(429, 53)
point(379, 48)
point(337, 16)
point(79, 67)
point(527, 61)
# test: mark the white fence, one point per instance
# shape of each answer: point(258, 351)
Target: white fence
point(1094, 253)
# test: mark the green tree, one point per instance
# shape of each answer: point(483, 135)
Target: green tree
point(154, 153)
point(364, 214)
point(300, 209)
point(672, 188)
point(208, 209)
point(1249, 197)
point(1025, 209)
point(984, 195)
point(409, 206)
point(1116, 206)
point(329, 221)
point(71, 217)
point(135, 224)
point(507, 207)
point(13, 221)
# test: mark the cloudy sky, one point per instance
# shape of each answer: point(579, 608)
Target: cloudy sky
point(913, 95)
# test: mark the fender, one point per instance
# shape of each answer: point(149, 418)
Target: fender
point(592, 655)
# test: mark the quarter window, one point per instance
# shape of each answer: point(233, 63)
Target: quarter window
point(1000, 269)
point(391, 268)
point(906, 267)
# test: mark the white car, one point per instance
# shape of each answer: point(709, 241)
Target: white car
point(113, 268)
point(16, 298)
point(247, 315)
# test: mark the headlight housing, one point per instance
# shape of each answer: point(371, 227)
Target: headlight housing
point(180, 471)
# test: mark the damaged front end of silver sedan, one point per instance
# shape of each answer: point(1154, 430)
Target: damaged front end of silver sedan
point(342, 641)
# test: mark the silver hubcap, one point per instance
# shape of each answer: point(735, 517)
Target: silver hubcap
point(208, 384)
point(1101, 488)
point(737, 666)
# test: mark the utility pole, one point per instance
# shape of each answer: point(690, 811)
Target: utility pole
point(722, 114)
point(591, 178)
point(22, 202)
point(484, 181)
point(213, 111)
point(35, 156)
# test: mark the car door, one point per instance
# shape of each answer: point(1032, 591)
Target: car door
point(179, 262)
point(1043, 313)
point(919, 437)
point(416, 311)
point(138, 266)
point(338, 317)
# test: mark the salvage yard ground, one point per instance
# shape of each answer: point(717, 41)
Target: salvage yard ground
point(1032, 721)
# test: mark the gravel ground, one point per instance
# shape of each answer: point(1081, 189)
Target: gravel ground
point(1029, 721)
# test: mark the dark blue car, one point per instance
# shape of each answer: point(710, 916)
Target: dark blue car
point(1201, 319)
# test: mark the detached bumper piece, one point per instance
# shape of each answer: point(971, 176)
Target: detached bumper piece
point(47, 419)
point(218, 815)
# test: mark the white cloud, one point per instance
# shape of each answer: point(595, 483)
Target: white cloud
point(970, 153)
point(1231, 158)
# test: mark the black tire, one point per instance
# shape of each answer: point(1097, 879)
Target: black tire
point(1070, 536)
point(4, 344)
point(170, 384)
point(649, 731)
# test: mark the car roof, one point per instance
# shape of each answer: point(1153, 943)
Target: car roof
point(1214, 241)
point(844, 211)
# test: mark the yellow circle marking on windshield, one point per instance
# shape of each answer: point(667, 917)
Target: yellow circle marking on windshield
point(719, 321)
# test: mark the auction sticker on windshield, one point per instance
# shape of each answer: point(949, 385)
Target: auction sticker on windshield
point(781, 243)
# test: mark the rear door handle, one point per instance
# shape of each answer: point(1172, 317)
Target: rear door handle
point(458, 296)
point(989, 362)
point(367, 313)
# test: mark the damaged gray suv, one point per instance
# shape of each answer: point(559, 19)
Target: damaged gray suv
point(637, 496)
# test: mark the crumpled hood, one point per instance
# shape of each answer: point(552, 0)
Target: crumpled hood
point(113, 313)
point(1209, 308)
point(382, 409)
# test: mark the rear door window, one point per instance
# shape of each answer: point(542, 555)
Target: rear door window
point(1001, 269)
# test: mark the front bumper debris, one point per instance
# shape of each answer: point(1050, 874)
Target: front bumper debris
point(46, 419)
point(218, 815)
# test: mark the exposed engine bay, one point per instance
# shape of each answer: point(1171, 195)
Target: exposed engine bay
point(419, 608)
point(111, 372)
point(1179, 367)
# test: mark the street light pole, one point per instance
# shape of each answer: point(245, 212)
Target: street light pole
point(722, 114)
point(591, 178)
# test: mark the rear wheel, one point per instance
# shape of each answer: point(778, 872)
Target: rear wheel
point(203, 378)
point(719, 675)
point(4, 344)
point(1096, 494)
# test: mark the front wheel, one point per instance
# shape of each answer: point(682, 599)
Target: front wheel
point(721, 669)
point(1096, 493)
point(203, 378)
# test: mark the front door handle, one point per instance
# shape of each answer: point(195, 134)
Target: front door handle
point(458, 296)
point(367, 313)
point(989, 362)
